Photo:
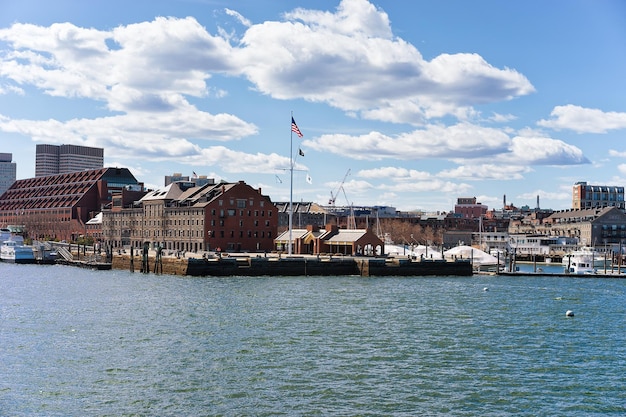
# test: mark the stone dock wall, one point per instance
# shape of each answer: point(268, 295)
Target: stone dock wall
point(294, 266)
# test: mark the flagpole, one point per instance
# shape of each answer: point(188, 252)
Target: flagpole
point(289, 250)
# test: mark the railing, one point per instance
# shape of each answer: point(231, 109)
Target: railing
point(64, 253)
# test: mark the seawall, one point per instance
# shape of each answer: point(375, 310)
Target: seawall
point(294, 266)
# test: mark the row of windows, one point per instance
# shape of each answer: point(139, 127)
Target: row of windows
point(194, 233)
point(242, 213)
point(250, 234)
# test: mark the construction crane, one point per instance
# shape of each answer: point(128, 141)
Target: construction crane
point(333, 196)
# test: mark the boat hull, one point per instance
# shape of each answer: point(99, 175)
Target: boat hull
point(18, 255)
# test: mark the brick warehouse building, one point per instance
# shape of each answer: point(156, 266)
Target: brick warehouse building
point(185, 217)
point(59, 206)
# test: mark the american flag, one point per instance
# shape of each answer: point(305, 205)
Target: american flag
point(294, 128)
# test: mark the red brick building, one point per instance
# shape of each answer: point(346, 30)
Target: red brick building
point(184, 217)
point(59, 206)
point(469, 208)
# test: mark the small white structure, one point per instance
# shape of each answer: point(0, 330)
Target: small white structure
point(480, 259)
point(420, 252)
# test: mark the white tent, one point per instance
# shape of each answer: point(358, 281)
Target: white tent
point(467, 252)
point(414, 251)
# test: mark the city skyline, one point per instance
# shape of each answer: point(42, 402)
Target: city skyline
point(420, 103)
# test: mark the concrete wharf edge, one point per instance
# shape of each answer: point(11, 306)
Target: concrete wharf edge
point(295, 266)
point(561, 275)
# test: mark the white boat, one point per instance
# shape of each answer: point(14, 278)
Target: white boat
point(580, 262)
point(586, 254)
point(14, 250)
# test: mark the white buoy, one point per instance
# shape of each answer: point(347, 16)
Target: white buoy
point(569, 313)
point(486, 289)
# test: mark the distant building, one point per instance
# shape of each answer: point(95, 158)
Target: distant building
point(53, 159)
point(59, 206)
point(175, 177)
point(469, 208)
point(585, 196)
point(197, 180)
point(7, 172)
point(304, 214)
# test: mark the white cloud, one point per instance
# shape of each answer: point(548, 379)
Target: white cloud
point(486, 172)
point(543, 151)
point(584, 120)
point(394, 174)
point(502, 118)
point(435, 141)
point(350, 60)
point(239, 17)
point(433, 185)
point(547, 195)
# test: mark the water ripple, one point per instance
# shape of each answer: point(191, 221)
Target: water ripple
point(93, 343)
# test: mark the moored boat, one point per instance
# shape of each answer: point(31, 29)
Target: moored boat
point(15, 251)
point(585, 254)
point(580, 262)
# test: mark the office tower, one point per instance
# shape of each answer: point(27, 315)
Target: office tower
point(53, 159)
point(7, 171)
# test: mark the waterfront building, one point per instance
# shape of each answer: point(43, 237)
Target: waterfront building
point(182, 216)
point(7, 171)
point(331, 240)
point(592, 227)
point(586, 196)
point(59, 206)
point(53, 159)
point(491, 241)
point(540, 247)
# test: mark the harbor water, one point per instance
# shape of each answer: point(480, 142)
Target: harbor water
point(77, 342)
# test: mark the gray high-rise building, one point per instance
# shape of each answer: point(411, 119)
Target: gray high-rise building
point(53, 159)
point(7, 171)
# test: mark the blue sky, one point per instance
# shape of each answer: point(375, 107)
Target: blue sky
point(421, 102)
